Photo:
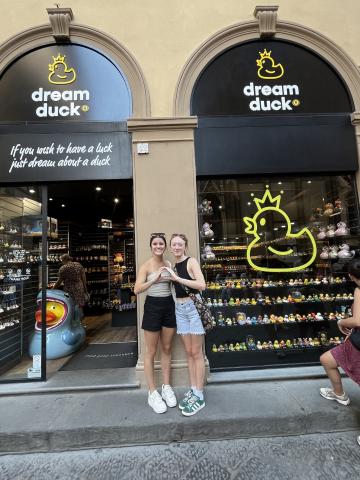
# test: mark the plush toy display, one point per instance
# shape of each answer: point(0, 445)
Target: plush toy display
point(208, 254)
point(64, 332)
point(205, 207)
point(206, 231)
point(328, 209)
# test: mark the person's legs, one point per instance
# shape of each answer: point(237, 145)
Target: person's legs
point(198, 360)
point(151, 343)
point(332, 371)
point(186, 339)
point(166, 338)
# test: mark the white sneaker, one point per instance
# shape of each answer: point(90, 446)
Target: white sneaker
point(156, 402)
point(358, 440)
point(168, 395)
point(330, 395)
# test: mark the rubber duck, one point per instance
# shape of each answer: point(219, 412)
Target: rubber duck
point(231, 347)
point(265, 346)
point(214, 349)
point(345, 252)
point(328, 209)
point(219, 303)
point(333, 253)
point(288, 343)
point(342, 230)
point(258, 224)
point(324, 255)
point(286, 318)
point(243, 346)
point(221, 348)
point(228, 321)
point(253, 301)
point(231, 302)
point(237, 347)
point(266, 319)
point(270, 345)
point(276, 345)
point(291, 318)
point(238, 285)
point(215, 302)
point(272, 318)
point(280, 319)
point(64, 332)
point(318, 316)
point(322, 233)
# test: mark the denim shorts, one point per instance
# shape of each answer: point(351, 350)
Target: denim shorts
point(187, 319)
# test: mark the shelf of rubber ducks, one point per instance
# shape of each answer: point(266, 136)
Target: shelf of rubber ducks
point(271, 319)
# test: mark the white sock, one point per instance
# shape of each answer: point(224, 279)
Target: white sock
point(199, 393)
point(192, 389)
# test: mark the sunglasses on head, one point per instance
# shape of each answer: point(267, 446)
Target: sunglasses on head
point(153, 235)
point(181, 235)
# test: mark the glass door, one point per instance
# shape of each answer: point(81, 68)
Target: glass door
point(22, 278)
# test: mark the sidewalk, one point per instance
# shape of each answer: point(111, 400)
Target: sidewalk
point(111, 418)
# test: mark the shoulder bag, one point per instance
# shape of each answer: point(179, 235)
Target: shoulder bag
point(203, 310)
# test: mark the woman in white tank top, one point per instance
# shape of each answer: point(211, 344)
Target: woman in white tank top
point(159, 321)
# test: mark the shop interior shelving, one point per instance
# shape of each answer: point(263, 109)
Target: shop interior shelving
point(272, 319)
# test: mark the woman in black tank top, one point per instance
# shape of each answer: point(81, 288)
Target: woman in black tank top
point(187, 277)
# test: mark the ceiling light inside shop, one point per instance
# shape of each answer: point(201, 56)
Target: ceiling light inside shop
point(225, 238)
point(252, 194)
point(309, 181)
point(50, 199)
point(279, 183)
point(116, 200)
point(249, 203)
point(31, 190)
point(281, 191)
point(98, 189)
point(276, 228)
point(63, 205)
point(220, 206)
point(283, 226)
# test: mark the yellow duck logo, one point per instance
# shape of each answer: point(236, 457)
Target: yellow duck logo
point(268, 69)
point(260, 219)
point(60, 74)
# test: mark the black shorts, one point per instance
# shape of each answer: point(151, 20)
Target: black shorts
point(158, 312)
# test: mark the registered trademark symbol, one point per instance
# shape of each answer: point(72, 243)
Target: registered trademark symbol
point(85, 108)
point(296, 102)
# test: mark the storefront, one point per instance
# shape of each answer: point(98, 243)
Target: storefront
point(66, 189)
point(276, 159)
point(250, 147)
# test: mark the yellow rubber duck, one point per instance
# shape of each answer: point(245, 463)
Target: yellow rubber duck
point(60, 74)
point(55, 312)
point(258, 224)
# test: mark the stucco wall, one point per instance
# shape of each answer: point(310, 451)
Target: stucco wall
point(162, 34)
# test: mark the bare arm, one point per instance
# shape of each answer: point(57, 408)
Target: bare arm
point(354, 321)
point(195, 271)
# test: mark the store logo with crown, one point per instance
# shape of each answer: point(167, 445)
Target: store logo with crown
point(279, 97)
point(261, 222)
point(62, 102)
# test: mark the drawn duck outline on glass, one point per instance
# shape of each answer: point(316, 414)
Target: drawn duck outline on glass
point(259, 219)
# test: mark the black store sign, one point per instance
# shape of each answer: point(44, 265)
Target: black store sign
point(62, 117)
point(272, 107)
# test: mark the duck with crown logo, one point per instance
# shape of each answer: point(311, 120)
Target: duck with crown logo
point(268, 210)
point(60, 74)
point(268, 68)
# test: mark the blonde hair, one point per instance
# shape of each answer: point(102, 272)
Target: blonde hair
point(182, 236)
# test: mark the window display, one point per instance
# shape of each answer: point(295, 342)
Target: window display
point(274, 255)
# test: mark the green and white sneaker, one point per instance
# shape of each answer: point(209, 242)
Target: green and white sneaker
point(194, 404)
point(183, 402)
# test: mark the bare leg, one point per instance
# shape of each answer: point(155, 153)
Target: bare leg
point(151, 343)
point(166, 337)
point(198, 359)
point(332, 371)
point(191, 365)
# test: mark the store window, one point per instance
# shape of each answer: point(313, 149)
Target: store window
point(274, 254)
point(21, 230)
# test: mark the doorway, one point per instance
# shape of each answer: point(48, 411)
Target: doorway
point(92, 223)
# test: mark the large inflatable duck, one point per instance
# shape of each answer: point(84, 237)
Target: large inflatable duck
point(64, 332)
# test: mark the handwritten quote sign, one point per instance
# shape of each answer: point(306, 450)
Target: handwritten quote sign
point(71, 155)
point(61, 157)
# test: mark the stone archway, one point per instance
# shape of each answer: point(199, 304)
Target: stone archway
point(246, 31)
point(42, 35)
